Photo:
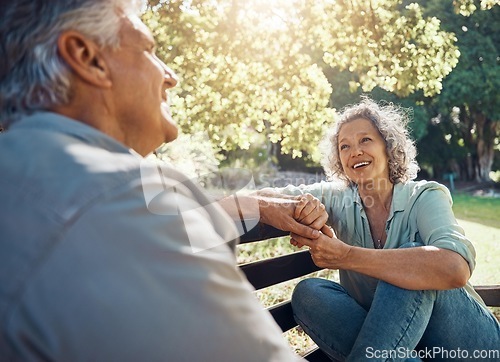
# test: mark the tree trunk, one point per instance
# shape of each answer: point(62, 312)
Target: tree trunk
point(486, 131)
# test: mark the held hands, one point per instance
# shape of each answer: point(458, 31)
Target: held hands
point(305, 217)
point(302, 215)
point(309, 211)
point(326, 251)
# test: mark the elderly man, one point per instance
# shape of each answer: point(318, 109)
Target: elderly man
point(91, 268)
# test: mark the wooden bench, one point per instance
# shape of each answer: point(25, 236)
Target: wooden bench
point(265, 273)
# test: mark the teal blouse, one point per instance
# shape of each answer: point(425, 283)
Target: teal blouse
point(420, 212)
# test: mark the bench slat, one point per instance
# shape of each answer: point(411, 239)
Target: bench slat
point(283, 315)
point(490, 294)
point(316, 355)
point(268, 272)
point(261, 232)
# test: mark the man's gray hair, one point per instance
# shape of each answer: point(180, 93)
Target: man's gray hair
point(391, 121)
point(32, 74)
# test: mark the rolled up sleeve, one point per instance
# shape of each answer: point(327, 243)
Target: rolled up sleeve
point(437, 226)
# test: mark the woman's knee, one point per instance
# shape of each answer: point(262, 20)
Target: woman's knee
point(386, 291)
point(312, 292)
point(305, 290)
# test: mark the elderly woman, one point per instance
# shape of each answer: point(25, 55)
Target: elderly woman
point(404, 261)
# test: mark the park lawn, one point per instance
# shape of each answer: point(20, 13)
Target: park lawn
point(480, 218)
point(486, 241)
point(484, 210)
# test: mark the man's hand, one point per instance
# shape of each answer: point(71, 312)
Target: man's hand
point(310, 211)
point(302, 215)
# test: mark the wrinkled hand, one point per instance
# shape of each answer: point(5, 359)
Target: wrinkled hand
point(326, 251)
point(309, 211)
point(279, 211)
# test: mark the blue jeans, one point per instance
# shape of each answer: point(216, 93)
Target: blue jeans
point(400, 325)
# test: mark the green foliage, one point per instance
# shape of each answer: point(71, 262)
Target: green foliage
point(476, 79)
point(259, 67)
point(467, 7)
point(387, 45)
point(240, 75)
point(469, 105)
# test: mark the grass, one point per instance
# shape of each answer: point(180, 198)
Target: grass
point(486, 241)
point(479, 216)
point(482, 210)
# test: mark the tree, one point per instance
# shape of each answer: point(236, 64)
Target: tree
point(469, 104)
point(467, 7)
point(385, 44)
point(250, 67)
point(241, 76)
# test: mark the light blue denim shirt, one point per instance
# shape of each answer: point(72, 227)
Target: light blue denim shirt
point(420, 212)
point(89, 271)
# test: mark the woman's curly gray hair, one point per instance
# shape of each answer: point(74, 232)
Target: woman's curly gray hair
point(391, 121)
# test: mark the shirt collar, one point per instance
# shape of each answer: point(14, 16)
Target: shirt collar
point(399, 196)
point(49, 121)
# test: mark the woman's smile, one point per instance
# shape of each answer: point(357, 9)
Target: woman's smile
point(363, 152)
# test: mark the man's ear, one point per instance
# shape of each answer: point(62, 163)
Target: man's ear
point(85, 58)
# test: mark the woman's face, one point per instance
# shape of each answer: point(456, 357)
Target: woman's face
point(363, 153)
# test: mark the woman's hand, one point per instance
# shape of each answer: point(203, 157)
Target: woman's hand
point(326, 251)
point(416, 268)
